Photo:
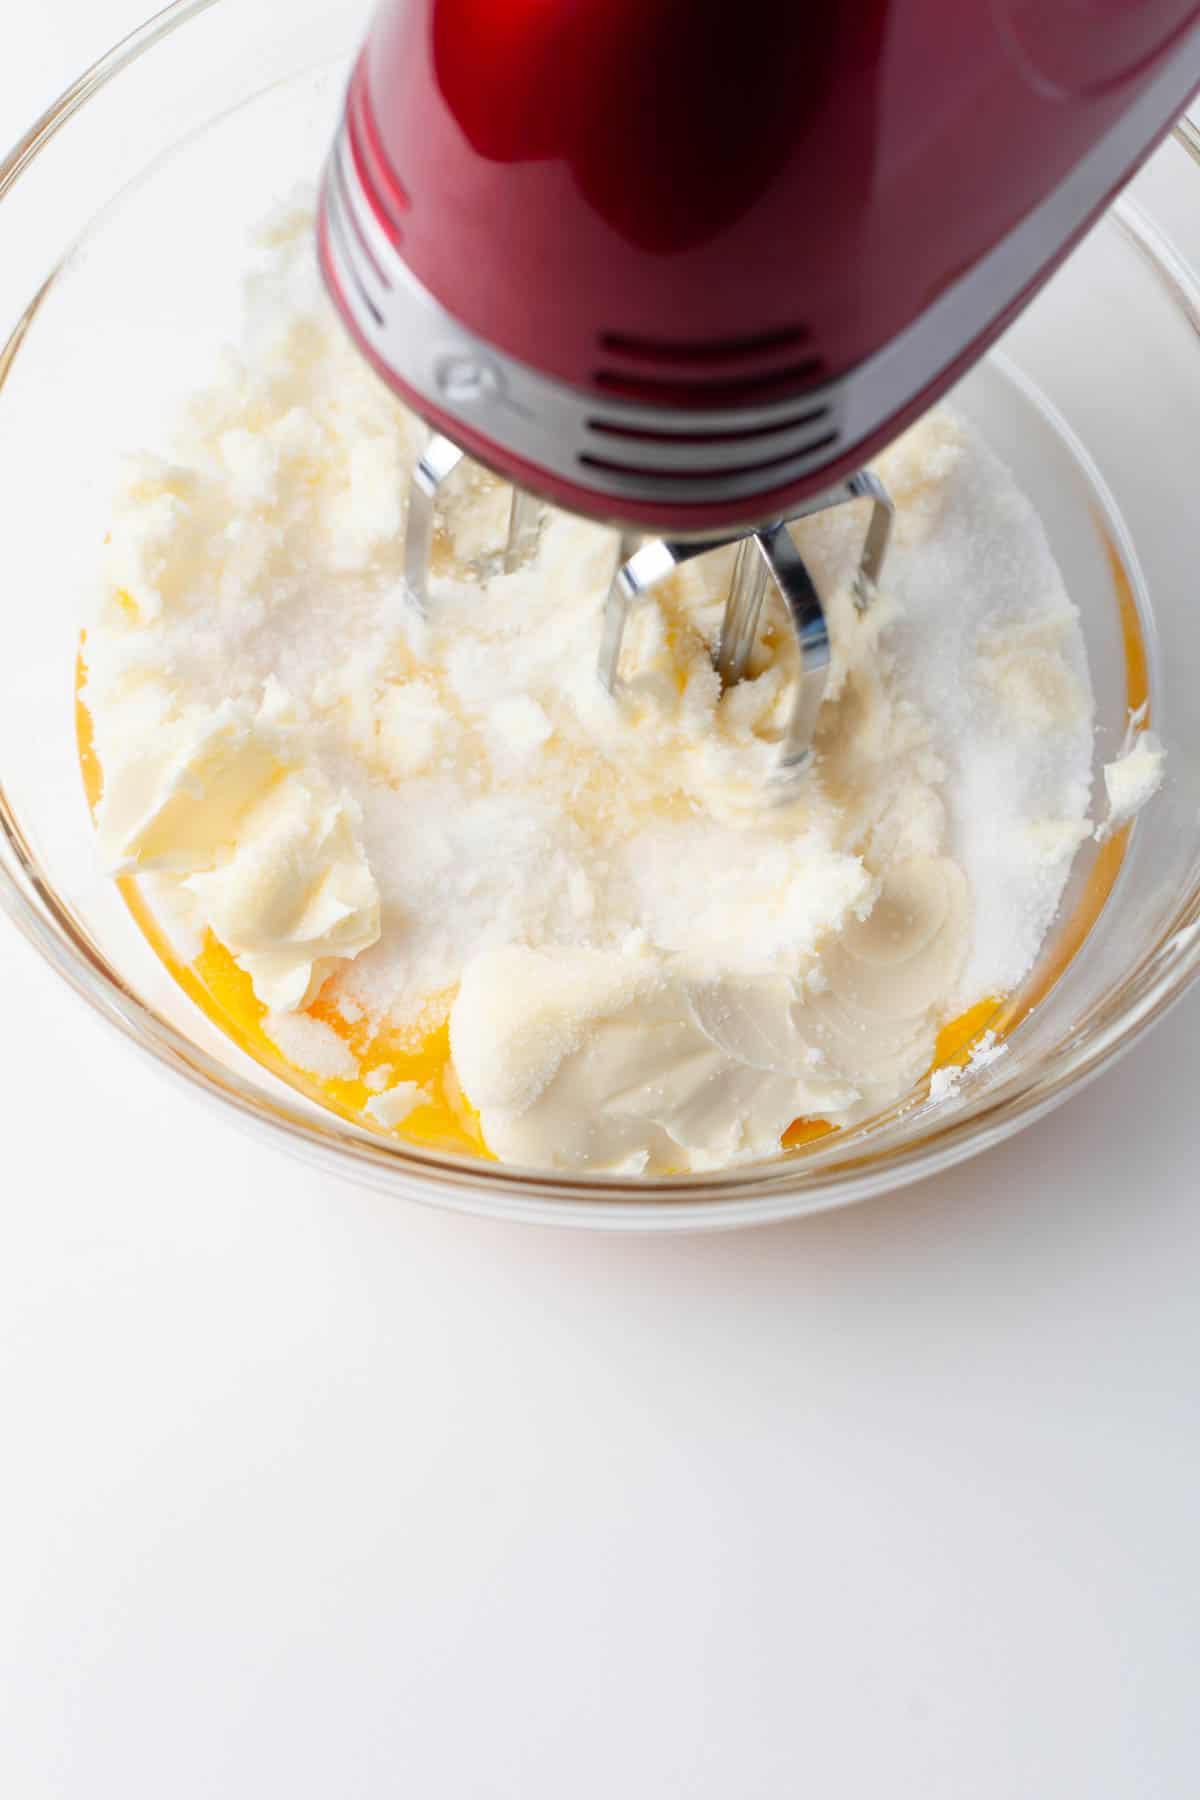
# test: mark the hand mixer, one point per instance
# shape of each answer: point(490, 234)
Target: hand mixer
point(684, 265)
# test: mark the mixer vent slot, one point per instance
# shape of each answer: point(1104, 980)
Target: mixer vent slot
point(708, 450)
point(613, 428)
point(701, 476)
point(708, 372)
point(706, 350)
point(731, 391)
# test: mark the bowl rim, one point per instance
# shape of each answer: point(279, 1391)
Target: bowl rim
point(837, 1172)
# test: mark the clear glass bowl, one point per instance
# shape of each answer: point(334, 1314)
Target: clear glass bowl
point(123, 212)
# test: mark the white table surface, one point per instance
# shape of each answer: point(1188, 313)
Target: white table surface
point(308, 1494)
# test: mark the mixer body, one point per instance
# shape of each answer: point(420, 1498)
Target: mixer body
point(683, 265)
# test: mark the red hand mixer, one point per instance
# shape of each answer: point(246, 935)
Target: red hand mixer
point(684, 265)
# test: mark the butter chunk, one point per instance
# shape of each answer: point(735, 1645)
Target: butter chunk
point(266, 845)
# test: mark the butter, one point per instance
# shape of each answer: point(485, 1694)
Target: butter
point(586, 1059)
point(311, 1045)
point(391, 1108)
point(296, 892)
point(1132, 778)
point(592, 1060)
point(176, 797)
point(220, 801)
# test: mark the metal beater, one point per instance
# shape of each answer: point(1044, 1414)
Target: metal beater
point(683, 268)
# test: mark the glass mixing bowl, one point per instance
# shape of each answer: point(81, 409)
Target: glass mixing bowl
point(123, 215)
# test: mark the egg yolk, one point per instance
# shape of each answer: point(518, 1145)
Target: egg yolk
point(442, 1119)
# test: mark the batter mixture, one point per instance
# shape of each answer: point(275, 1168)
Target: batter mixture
point(434, 866)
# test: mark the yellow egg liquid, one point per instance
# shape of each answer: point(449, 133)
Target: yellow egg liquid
point(224, 993)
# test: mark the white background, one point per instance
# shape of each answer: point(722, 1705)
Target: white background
point(306, 1493)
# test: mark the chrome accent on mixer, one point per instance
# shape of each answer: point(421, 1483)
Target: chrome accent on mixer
point(763, 557)
point(437, 463)
point(436, 467)
point(743, 609)
point(866, 486)
point(766, 556)
point(524, 529)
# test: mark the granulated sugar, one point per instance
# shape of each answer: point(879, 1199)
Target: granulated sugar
point(986, 644)
point(497, 794)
